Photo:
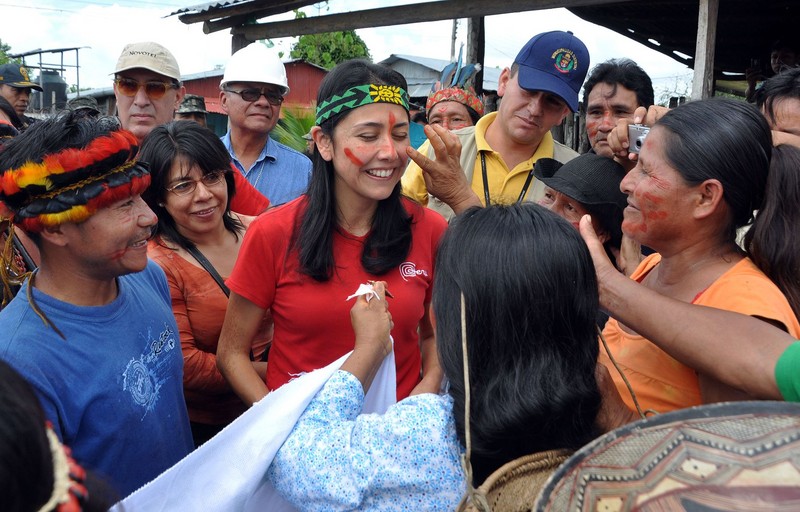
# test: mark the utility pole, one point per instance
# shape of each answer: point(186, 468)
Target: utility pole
point(453, 41)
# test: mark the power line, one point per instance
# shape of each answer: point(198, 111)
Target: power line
point(129, 4)
point(39, 8)
point(132, 3)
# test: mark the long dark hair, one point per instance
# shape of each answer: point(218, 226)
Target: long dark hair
point(531, 304)
point(193, 145)
point(721, 139)
point(390, 239)
point(26, 463)
point(772, 242)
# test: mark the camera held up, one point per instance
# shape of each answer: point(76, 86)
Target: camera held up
point(636, 136)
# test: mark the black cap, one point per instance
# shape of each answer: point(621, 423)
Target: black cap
point(588, 179)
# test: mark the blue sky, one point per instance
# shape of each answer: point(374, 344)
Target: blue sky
point(106, 26)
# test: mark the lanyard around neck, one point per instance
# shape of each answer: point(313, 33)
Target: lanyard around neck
point(486, 195)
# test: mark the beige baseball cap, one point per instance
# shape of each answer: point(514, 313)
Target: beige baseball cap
point(151, 56)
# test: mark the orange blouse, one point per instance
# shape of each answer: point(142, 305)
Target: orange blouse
point(662, 383)
point(199, 305)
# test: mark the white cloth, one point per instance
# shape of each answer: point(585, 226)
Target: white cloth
point(228, 472)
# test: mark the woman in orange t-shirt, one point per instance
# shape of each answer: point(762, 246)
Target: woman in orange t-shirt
point(191, 189)
point(701, 173)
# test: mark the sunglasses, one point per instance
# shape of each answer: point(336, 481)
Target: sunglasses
point(188, 186)
point(154, 89)
point(251, 95)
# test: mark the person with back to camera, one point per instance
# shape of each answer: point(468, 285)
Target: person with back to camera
point(302, 260)
point(37, 472)
point(531, 386)
point(197, 233)
point(693, 185)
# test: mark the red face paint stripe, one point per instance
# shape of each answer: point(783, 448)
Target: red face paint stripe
point(349, 154)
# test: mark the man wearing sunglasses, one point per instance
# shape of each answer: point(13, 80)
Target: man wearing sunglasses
point(148, 90)
point(147, 86)
point(251, 93)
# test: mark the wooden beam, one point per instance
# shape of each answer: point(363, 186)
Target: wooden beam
point(246, 9)
point(403, 14)
point(703, 81)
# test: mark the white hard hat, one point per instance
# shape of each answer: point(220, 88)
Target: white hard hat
point(256, 63)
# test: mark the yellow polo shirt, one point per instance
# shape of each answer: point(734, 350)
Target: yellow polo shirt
point(505, 184)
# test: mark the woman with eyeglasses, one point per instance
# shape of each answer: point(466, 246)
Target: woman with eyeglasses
point(196, 242)
point(303, 259)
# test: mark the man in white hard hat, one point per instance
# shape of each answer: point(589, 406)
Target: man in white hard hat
point(251, 93)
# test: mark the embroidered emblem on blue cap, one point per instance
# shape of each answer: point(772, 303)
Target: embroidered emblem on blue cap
point(564, 60)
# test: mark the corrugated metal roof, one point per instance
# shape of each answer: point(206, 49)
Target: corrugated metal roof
point(208, 6)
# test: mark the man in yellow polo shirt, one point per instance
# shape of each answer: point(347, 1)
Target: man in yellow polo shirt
point(498, 154)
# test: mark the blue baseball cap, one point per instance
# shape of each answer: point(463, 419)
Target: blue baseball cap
point(17, 76)
point(554, 62)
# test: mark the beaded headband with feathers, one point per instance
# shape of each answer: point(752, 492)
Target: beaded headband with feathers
point(452, 86)
point(72, 184)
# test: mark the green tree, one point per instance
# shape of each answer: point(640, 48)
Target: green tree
point(5, 49)
point(330, 48)
point(294, 123)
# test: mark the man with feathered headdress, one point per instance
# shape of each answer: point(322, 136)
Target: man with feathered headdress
point(452, 103)
point(92, 329)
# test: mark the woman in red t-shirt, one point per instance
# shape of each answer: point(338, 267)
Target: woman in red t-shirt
point(303, 259)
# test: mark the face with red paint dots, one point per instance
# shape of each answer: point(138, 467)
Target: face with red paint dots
point(113, 241)
point(452, 115)
point(368, 151)
point(659, 199)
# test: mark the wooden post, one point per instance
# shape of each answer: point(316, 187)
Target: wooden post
point(703, 81)
point(238, 41)
point(476, 47)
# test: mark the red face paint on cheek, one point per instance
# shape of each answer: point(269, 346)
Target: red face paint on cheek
point(349, 154)
point(657, 215)
point(652, 198)
point(650, 207)
point(118, 255)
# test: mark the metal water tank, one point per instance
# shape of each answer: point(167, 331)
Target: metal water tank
point(55, 89)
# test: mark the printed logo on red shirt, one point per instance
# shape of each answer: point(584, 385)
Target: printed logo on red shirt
point(409, 269)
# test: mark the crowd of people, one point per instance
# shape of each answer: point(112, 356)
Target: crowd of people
point(159, 280)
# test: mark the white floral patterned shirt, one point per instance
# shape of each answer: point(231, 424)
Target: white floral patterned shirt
point(339, 459)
